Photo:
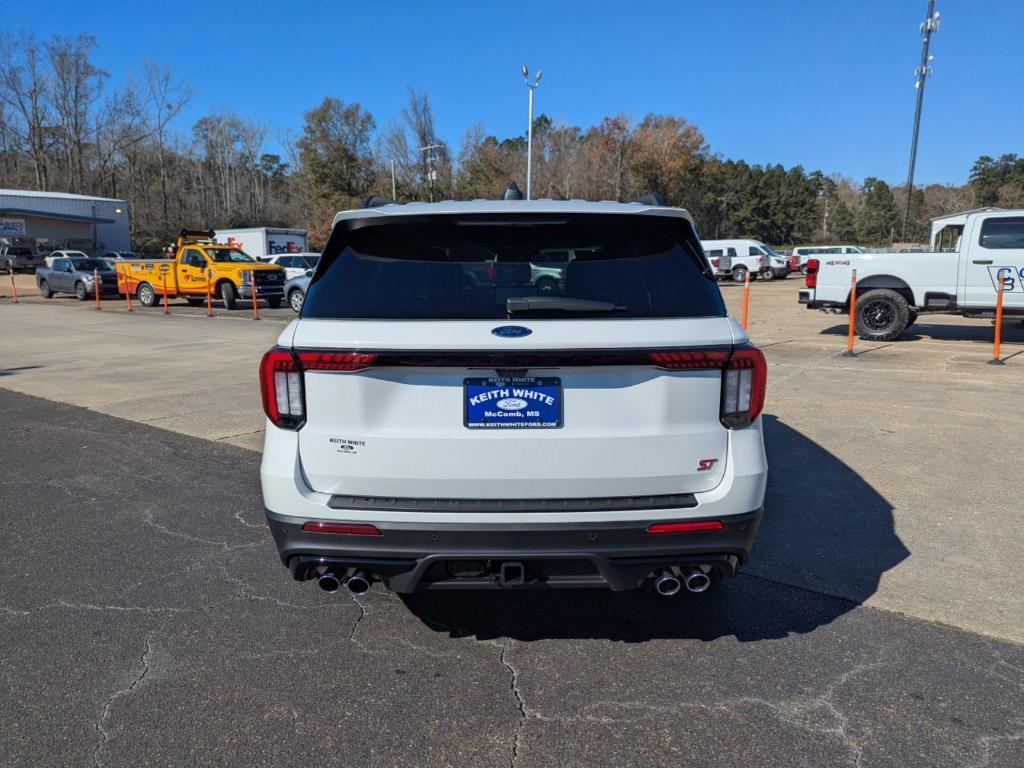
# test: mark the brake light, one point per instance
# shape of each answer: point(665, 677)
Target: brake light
point(715, 263)
point(680, 359)
point(346, 529)
point(811, 278)
point(686, 526)
point(282, 381)
point(743, 387)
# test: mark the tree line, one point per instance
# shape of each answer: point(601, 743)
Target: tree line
point(65, 125)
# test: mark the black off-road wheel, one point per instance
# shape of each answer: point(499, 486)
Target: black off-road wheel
point(228, 296)
point(882, 315)
point(146, 294)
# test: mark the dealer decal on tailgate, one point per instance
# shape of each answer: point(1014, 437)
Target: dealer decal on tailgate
point(526, 402)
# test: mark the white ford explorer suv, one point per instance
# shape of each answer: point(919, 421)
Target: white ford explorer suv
point(434, 421)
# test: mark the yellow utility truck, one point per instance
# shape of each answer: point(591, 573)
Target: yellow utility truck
point(200, 267)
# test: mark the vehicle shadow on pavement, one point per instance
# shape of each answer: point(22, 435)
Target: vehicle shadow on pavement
point(826, 539)
point(1013, 332)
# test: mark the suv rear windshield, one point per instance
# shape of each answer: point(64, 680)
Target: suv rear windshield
point(490, 267)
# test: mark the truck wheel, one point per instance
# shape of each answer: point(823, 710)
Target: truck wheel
point(228, 295)
point(147, 296)
point(739, 274)
point(295, 299)
point(80, 291)
point(768, 274)
point(882, 315)
point(44, 290)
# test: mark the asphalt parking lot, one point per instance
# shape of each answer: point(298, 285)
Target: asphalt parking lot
point(146, 619)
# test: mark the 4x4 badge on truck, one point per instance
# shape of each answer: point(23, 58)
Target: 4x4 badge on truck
point(511, 331)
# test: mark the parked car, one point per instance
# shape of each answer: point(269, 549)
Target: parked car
point(426, 432)
point(752, 257)
point(295, 290)
point(894, 288)
point(804, 252)
point(53, 255)
point(121, 255)
point(77, 276)
point(294, 264)
point(19, 257)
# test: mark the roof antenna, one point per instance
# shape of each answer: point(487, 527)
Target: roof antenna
point(512, 192)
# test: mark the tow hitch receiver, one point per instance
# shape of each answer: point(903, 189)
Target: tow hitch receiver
point(513, 574)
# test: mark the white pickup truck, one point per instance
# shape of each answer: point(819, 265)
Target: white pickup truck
point(893, 288)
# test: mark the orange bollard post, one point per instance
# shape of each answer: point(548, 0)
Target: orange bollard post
point(853, 315)
point(996, 359)
point(255, 297)
point(14, 288)
point(209, 293)
point(746, 299)
point(167, 307)
point(127, 289)
point(96, 286)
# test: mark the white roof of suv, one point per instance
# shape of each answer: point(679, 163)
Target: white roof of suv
point(510, 206)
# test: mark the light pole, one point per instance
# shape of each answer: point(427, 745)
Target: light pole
point(529, 130)
point(922, 73)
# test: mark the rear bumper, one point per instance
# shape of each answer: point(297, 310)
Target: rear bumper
point(414, 557)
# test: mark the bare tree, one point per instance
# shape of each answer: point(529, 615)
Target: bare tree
point(166, 97)
point(25, 88)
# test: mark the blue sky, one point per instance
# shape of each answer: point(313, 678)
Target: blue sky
point(824, 83)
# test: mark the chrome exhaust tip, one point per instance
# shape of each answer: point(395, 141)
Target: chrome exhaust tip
point(329, 582)
point(666, 583)
point(695, 579)
point(359, 583)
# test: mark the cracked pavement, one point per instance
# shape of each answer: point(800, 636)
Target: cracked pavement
point(146, 620)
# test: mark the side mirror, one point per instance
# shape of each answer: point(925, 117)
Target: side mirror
point(309, 273)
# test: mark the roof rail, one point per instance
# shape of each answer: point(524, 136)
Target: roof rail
point(651, 198)
point(376, 201)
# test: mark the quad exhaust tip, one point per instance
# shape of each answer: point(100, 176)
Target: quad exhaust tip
point(359, 583)
point(329, 582)
point(667, 584)
point(695, 579)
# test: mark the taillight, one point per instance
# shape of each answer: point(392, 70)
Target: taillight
point(282, 381)
point(681, 359)
point(811, 279)
point(743, 387)
point(715, 263)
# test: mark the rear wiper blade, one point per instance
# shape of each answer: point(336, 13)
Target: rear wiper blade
point(517, 305)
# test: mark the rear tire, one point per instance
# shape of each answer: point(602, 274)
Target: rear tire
point(81, 293)
point(768, 274)
point(739, 274)
point(228, 296)
point(882, 315)
point(546, 285)
point(44, 290)
point(147, 296)
point(296, 299)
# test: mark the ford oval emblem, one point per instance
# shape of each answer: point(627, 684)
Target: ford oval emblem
point(511, 331)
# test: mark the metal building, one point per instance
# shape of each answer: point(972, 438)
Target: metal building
point(48, 221)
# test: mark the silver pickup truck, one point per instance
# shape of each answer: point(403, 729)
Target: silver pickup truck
point(76, 276)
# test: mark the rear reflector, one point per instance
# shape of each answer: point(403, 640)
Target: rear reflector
point(686, 526)
point(347, 529)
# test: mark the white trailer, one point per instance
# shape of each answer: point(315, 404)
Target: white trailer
point(894, 288)
point(261, 242)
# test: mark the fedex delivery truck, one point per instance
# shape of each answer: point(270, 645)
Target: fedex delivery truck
point(260, 242)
